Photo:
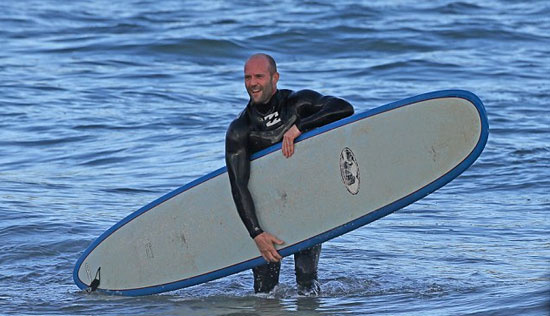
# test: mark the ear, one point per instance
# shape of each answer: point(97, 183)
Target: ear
point(275, 78)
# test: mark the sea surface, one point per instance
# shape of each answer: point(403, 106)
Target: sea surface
point(107, 105)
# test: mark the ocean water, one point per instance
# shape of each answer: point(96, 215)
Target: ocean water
point(106, 106)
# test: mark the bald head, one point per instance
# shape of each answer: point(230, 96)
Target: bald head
point(271, 65)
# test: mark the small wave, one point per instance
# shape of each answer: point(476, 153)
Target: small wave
point(213, 49)
point(128, 190)
point(531, 151)
point(45, 142)
point(348, 286)
point(107, 161)
point(458, 8)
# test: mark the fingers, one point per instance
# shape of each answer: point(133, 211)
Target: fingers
point(272, 256)
point(277, 241)
point(269, 253)
point(288, 147)
point(265, 243)
point(288, 141)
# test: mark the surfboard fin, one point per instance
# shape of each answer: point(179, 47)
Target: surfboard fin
point(95, 283)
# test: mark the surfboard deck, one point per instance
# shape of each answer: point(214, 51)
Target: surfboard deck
point(342, 176)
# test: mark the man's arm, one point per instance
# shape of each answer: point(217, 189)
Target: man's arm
point(314, 110)
point(238, 168)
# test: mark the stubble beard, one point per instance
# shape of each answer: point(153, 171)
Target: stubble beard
point(265, 95)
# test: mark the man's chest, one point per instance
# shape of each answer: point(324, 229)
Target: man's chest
point(268, 129)
point(270, 121)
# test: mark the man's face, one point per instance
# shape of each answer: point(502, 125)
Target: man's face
point(260, 84)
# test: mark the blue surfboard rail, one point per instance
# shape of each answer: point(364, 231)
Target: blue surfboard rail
point(338, 231)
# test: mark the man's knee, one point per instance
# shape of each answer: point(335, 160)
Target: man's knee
point(266, 277)
point(305, 266)
point(306, 261)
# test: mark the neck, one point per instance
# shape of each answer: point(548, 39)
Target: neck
point(265, 107)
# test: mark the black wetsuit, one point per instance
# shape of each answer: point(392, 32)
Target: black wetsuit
point(260, 126)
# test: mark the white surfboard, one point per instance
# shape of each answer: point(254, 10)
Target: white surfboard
point(342, 176)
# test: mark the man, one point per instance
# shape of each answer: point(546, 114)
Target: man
point(271, 116)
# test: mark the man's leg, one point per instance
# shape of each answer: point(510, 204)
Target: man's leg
point(305, 266)
point(266, 277)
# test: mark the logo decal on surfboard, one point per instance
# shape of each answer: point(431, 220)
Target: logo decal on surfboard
point(349, 169)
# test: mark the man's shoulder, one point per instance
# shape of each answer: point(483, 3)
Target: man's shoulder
point(285, 92)
point(304, 95)
point(238, 125)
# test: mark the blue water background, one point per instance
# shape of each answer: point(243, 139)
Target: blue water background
point(106, 106)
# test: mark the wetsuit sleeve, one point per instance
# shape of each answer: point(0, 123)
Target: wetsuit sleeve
point(315, 110)
point(238, 168)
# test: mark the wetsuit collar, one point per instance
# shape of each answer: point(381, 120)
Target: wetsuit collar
point(267, 107)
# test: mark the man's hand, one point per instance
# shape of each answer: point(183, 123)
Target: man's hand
point(288, 140)
point(265, 243)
